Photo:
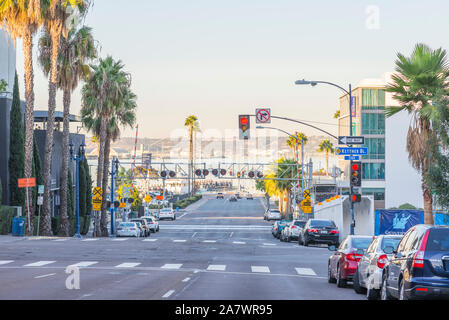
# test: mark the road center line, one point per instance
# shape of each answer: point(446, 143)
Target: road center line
point(168, 294)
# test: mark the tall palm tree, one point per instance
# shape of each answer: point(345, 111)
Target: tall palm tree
point(103, 97)
point(57, 14)
point(22, 18)
point(327, 147)
point(75, 52)
point(284, 170)
point(192, 123)
point(416, 83)
point(294, 143)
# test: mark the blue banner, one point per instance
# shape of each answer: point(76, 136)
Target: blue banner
point(398, 221)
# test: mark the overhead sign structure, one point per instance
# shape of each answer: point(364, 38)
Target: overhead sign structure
point(351, 151)
point(349, 140)
point(26, 183)
point(352, 158)
point(263, 115)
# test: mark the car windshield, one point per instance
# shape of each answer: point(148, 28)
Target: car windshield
point(390, 242)
point(275, 211)
point(300, 223)
point(322, 223)
point(165, 210)
point(361, 243)
point(438, 240)
point(129, 224)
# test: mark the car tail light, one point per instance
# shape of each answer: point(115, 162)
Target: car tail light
point(151, 222)
point(334, 231)
point(312, 230)
point(381, 261)
point(421, 289)
point(418, 259)
point(276, 229)
point(353, 257)
point(293, 227)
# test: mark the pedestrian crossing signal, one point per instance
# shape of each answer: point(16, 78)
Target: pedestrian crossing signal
point(356, 198)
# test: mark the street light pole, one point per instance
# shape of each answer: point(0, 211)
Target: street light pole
point(349, 93)
point(114, 171)
point(77, 159)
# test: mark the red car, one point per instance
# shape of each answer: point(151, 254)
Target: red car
point(343, 263)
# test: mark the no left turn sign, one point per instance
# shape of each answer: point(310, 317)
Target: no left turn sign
point(263, 115)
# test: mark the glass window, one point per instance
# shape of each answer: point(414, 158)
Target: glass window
point(376, 148)
point(372, 247)
point(373, 123)
point(322, 223)
point(373, 99)
point(438, 240)
point(379, 193)
point(361, 243)
point(373, 171)
point(390, 242)
point(403, 241)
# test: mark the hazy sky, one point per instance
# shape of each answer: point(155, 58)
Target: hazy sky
point(217, 59)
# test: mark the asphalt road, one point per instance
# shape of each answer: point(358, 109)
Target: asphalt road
point(216, 249)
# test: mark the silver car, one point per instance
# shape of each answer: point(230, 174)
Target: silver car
point(292, 230)
point(368, 277)
point(273, 214)
point(128, 229)
point(152, 222)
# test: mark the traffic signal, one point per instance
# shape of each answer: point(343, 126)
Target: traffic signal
point(215, 172)
point(356, 174)
point(205, 172)
point(251, 174)
point(238, 175)
point(172, 174)
point(198, 172)
point(356, 198)
point(223, 172)
point(259, 174)
point(163, 174)
point(244, 125)
point(116, 204)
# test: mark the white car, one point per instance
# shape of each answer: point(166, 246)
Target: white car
point(152, 222)
point(167, 213)
point(128, 229)
point(273, 214)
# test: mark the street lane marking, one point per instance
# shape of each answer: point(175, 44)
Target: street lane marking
point(120, 239)
point(5, 261)
point(216, 267)
point(171, 266)
point(39, 263)
point(84, 264)
point(90, 239)
point(238, 242)
point(186, 279)
point(128, 265)
point(269, 244)
point(210, 241)
point(305, 271)
point(179, 240)
point(45, 275)
point(59, 240)
point(168, 294)
point(150, 240)
point(260, 269)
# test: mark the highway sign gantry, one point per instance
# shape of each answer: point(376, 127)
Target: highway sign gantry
point(263, 115)
point(350, 140)
point(351, 151)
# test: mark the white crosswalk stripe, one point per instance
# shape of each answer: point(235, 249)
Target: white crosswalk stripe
point(150, 240)
point(120, 239)
point(305, 271)
point(216, 267)
point(128, 265)
point(210, 241)
point(179, 240)
point(59, 240)
point(168, 294)
point(171, 266)
point(84, 264)
point(39, 263)
point(95, 239)
point(2, 262)
point(269, 244)
point(238, 242)
point(261, 269)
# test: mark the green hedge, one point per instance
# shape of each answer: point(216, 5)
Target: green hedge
point(186, 202)
point(6, 215)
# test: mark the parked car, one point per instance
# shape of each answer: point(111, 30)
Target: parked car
point(343, 263)
point(249, 197)
point(145, 226)
point(292, 230)
point(141, 228)
point(167, 213)
point(419, 266)
point(233, 198)
point(319, 231)
point(220, 195)
point(277, 228)
point(237, 195)
point(152, 222)
point(272, 214)
point(368, 276)
point(128, 229)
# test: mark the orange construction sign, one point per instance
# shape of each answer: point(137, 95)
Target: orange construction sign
point(25, 183)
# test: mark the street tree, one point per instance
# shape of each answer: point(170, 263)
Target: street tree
point(327, 147)
point(295, 143)
point(416, 83)
point(192, 123)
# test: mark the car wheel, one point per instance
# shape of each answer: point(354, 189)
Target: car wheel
point(372, 294)
point(305, 242)
point(384, 294)
point(289, 239)
point(341, 283)
point(330, 279)
point(402, 295)
point(356, 285)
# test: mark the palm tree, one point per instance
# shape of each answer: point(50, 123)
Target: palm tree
point(327, 147)
point(417, 82)
point(284, 170)
point(106, 97)
point(22, 18)
point(294, 143)
point(337, 114)
point(74, 53)
point(193, 125)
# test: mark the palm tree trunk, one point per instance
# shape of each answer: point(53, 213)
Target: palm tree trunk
point(428, 202)
point(100, 166)
point(64, 220)
point(27, 44)
point(192, 188)
point(327, 163)
point(103, 221)
point(46, 212)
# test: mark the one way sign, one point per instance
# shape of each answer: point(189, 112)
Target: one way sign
point(349, 140)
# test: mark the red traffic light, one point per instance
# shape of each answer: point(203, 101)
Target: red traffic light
point(355, 166)
point(244, 121)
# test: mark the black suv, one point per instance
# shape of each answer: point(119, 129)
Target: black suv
point(319, 231)
point(419, 267)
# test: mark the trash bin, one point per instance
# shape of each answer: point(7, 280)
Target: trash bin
point(18, 225)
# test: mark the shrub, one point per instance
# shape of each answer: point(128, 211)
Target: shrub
point(6, 215)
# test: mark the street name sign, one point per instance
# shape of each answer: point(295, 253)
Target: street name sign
point(263, 115)
point(352, 158)
point(349, 140)
point(351, 151)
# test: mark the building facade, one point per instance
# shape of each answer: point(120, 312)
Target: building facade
point(386, 172)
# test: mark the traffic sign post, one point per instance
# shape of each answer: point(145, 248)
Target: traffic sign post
point(263, 115)
point(350, 140)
